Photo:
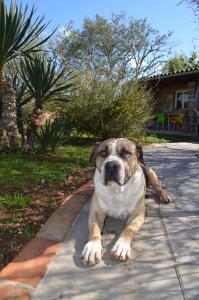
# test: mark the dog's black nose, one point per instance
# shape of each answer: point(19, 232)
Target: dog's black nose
point(112, 166)
point(112, 170)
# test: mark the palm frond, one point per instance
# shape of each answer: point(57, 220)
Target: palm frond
point(18, 32)
point(43, 79)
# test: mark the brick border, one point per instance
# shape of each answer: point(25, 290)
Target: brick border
point(20, 277)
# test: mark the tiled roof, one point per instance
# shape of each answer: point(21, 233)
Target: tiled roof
point(194, 70)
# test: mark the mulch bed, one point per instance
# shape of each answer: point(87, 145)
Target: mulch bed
point(18, 226)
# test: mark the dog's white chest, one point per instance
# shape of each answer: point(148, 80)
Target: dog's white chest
point(119, 201)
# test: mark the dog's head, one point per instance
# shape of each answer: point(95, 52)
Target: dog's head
point(116, 160)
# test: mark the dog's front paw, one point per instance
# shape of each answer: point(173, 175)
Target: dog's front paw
point(92, 252)
point(165, 198)
point(121, 250)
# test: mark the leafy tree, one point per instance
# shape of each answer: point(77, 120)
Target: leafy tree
point(44, 82)
point(121, 48)
point(180, 63)
point(194, 4)
point(110, 56)
point(106, 110)
point(18, 32)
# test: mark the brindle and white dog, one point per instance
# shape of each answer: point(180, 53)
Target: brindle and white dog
point(120, 186)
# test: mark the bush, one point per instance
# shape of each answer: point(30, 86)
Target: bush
point(51, 135)
point(105, 109)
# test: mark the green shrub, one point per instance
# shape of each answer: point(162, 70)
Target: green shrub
point(51, 135)
point(106, 110)
point(18, 200)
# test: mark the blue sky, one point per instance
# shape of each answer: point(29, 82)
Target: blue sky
point(165, 15)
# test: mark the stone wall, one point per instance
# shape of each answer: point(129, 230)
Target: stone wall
point(191, 119)
point(165, 101)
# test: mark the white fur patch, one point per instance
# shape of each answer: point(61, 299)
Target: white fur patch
point(92, 252)
point(114, 151)
point(113, 157)
point(121, 250)
point(119, 201)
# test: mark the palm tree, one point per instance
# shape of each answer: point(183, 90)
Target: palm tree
point(45, 81)
point(22, 98)
point(19, 35)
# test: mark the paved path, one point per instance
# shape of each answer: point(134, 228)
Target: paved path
point(165, 263)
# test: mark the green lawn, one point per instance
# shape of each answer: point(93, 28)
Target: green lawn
point(17, 170)
point(25, 205)
point(163, 138)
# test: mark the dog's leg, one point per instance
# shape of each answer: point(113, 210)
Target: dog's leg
point(154, 182)
point(92, 252)
point(122, 248)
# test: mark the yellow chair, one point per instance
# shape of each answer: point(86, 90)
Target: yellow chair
point(177, 120)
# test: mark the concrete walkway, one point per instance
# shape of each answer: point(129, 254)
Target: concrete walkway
point(165, 255)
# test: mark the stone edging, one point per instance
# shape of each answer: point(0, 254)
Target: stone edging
point(20, 277)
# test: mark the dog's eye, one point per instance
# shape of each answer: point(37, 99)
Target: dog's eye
point(103, 153)
point(125, 154)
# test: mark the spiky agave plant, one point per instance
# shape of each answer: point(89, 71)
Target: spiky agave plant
point(19, 33)
point(45, 81)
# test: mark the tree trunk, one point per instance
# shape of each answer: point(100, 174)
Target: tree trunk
point(1, 125)
point(20, 124)
point(9, 112)
point(31, 128)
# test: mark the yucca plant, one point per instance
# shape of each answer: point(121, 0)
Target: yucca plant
point(19, 34)
point(51, 135)
point(45, 82)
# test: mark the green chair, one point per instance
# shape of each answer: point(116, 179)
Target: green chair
point(160, 117)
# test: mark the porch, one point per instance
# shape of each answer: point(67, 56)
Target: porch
point(176, 109)
point(178, 122)
point(172, 132)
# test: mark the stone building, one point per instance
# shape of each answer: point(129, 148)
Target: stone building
point(178, 93)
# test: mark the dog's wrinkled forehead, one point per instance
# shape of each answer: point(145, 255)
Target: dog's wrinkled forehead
point(115, 147)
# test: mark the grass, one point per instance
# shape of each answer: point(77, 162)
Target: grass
point(14, 201)
point(25, 202)
point(162, 138)
point(17, 170)
point(28, 231)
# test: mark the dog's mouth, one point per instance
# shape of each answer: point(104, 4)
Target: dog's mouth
point(117, 181)
point(111, 179)
point(113, 174)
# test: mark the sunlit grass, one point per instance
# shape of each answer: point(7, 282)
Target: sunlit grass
point(18, 170)
point(15, 201)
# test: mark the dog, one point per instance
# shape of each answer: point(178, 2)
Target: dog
point(120, 180)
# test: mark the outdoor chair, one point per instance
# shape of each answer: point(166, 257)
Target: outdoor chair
point(176, 120)
point(161, 118)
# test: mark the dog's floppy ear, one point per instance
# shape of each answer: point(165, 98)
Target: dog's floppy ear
point(140, 154)
point(93, 154)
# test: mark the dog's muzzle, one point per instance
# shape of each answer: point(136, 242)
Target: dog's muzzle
point(112, 172)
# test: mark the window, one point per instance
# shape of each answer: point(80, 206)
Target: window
point(181, 99)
